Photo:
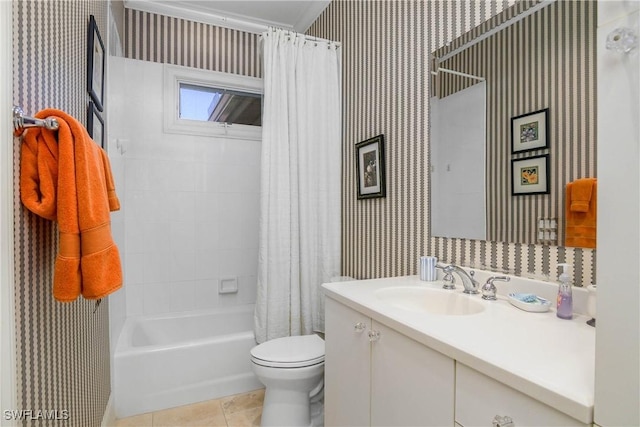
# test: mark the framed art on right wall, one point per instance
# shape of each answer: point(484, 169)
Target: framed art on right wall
point(530, 131)
point(530, 175)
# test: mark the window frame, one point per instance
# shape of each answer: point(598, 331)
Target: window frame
point(175, 75)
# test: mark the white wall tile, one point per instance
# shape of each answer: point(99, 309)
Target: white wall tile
point(207, 264)
point(180, 205)
point(156, 236)
point(134, 269)
point(183, 266)
point(135, 300)
point(240, 178)
point(206, 294)
point(182, 236)
point(134, 236)
point(238, 262)
point(157, 267)
point(207, 235)
point(158, 298)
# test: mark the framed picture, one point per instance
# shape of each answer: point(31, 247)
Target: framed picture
point(530, 131)
point(95, 65)
point(530, 175)
point(95, 124)
point(370, 167)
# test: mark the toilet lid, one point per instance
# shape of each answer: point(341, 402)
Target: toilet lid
point(289, 352)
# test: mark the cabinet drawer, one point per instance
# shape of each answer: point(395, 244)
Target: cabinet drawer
point(480, 398)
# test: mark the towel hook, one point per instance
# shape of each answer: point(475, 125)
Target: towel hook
point(22, 122)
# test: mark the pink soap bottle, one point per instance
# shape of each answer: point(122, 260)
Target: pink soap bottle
point(564, 309)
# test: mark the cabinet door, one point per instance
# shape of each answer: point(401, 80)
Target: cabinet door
point(411, 385)
point(347, 366)
point(480, 398)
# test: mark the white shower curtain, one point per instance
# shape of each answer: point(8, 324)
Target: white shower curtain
point(299, 245)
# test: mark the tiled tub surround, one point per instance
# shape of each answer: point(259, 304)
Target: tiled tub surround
point(547, 359)
point(165, 361)
point(191, 203)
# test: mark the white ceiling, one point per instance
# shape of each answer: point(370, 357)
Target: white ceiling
point(247, 15)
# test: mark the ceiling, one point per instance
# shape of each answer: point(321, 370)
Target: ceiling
point(246, 15)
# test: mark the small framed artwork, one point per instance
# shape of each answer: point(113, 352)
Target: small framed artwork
point(530, 131)
point(370, 167)
point(95, 65)
point(530, 175)
point(95, 124)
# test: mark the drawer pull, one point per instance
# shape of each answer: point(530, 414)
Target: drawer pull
point(504, 421)
point(374, 335)
point(360, 327)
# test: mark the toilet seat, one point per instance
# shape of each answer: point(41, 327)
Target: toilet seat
point(289, 352)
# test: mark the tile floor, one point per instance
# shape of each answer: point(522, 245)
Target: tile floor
point(240, 410)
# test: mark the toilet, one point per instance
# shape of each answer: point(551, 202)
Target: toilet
point(292, 371)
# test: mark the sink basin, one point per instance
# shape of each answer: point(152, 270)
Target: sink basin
point(428, 300)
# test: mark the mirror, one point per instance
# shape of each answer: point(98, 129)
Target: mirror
point(543, 59)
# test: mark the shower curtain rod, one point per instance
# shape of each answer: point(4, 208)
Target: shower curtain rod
point(457, 73)
point(306, 37)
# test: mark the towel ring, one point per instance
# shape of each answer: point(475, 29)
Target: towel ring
point(22, 122)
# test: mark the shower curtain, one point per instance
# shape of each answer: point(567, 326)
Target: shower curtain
point(299, 243)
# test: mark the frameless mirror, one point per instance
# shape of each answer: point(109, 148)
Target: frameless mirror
point(542, 59)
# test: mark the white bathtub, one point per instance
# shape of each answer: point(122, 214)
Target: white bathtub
point(178, 359)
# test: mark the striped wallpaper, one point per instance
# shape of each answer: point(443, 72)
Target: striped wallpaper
point(164, 39)
point(62, 352)
point(386, 48)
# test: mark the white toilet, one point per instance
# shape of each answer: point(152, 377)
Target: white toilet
point(292, 370)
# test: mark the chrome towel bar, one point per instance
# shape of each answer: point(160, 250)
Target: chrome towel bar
point(22, 122)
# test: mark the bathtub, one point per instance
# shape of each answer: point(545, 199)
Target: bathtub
point(172, 360)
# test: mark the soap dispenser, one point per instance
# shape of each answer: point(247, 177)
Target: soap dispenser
point(565, 299)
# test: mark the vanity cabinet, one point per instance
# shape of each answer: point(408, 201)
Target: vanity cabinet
point(377, 376)
point(480, 398)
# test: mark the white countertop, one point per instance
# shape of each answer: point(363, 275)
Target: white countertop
point(550, 359)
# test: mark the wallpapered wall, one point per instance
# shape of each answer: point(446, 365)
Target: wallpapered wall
point(386, 49)
point(62, 351)
point(164, 39)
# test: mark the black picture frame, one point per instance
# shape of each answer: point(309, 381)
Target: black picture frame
point(530, 175)
point(95, 64)
point(370, 168)
point(530, 131)
point(95, 124)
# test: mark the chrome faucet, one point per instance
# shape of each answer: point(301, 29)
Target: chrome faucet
point(489, 290)
point(470, 284)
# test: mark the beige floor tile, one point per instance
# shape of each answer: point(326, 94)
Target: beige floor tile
point(246, 418)
point(207, 414)
point(242, 402)
point(143, 420)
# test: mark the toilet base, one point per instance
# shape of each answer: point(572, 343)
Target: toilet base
point(287, 394)
point(285, 408)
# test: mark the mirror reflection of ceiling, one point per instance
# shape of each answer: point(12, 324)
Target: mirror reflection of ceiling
point(545, 60)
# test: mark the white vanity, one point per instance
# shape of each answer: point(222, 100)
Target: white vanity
point(400, 351)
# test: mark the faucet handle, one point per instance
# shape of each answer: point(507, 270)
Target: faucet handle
point(489, 290)
point(449, 280)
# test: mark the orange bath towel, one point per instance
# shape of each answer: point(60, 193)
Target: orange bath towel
point(66, 177)
point(581, 191)
point(581, 224)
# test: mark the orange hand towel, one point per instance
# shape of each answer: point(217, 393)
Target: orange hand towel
point(66, 177)
point(580, 227)
point(581, 191)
